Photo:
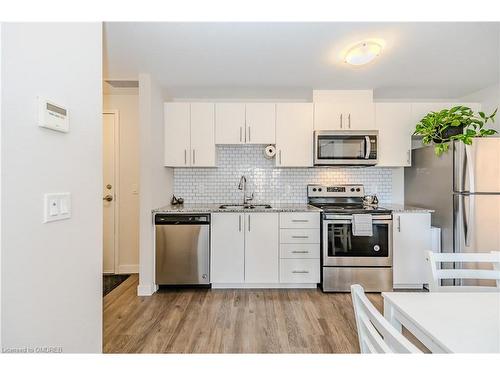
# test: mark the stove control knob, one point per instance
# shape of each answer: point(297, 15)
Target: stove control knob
point(358, 189)
point(314, 189)
point(319, 189)
point(352, 189)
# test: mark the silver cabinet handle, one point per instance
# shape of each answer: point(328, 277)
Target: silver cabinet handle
point(300, 236)
point(249, 223)
point(299, 271)
point(349, 120)
point(185, 156)
point(249, 136)
point(241, 136)
point(299, 221)
point(239, 223)
point(300, 252)
point(279, 155)
point(399, 223)
point(341, 121)
point(194, 156)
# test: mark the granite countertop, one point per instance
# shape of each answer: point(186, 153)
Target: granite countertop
point(400, 208)
point(208, 208)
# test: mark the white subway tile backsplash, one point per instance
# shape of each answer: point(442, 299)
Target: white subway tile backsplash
point(269, 184)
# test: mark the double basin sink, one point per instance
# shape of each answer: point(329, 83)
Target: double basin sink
point(244, 206)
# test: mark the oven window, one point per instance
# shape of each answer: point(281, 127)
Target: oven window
point(341, 147)
point(341, 242)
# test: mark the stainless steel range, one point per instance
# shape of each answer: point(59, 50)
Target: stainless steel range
point(347, 257)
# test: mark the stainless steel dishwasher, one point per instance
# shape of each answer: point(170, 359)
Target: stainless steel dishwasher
point(182, 249)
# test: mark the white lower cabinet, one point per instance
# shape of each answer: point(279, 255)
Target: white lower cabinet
point(411, 239)
point(244, 248)
point(299, 271)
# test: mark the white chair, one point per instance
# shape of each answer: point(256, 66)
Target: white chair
point(375, 333)
point(436, 273)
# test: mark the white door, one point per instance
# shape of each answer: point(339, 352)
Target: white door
point(393, 121)
point(294, 134)
point(202, 135)
point(411, 239)
point(110, 144)
point(228, 248)
point(261, 248)
point(177, 135)
point(261, 123)
point(358, 116)
point(230, 123)
point(329, 116)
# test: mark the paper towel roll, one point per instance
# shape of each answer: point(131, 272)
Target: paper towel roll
point(270, 152)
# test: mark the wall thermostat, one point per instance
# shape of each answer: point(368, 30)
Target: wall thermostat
point(52, 116)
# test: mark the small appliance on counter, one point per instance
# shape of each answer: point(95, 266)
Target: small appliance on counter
point(348, 257)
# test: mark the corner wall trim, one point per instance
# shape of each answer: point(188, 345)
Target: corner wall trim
point(128, 268)
point(146, 290)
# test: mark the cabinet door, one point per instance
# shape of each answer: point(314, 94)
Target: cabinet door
point(329, 116)
point(177, 134)
point(411, 239)
point(229, 123)
point(260, 123)
point(261, 248)
point(294, 134)
point(393, 121)
point(202, 135)
point(228, 248)
point(359, 116)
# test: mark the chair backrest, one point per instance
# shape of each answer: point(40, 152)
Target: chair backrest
point(375, 333)
point(436, 273)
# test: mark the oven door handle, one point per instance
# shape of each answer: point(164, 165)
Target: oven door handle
point(368, 147)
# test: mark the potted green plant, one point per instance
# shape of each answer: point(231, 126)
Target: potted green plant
point(458, 123)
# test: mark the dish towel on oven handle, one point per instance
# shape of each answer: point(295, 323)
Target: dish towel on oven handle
point(362, 225)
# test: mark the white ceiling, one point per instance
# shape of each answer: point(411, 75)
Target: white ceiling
point(288, 60)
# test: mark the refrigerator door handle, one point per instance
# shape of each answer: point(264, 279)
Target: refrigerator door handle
point(469, 154)
point(465, 221)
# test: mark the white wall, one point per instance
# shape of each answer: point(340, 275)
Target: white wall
point(128, 194)
point(51, 273)
point(156, 181)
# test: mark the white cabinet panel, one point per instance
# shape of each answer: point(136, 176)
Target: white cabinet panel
point(177, 134)
point(230, 123)
point(359, 116)
point(202, 135)
point(300, 220)
point(328, 116)
point(261, 248)
point(294, 134)
point(300, 251)
point(299, 236)
point(228, 248)
point(299, 271)
point(260, 123)
point(411, 239)
point(393, 121)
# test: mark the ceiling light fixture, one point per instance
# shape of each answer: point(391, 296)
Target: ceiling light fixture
point(363, 53)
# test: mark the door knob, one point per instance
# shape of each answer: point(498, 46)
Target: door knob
point(108, 198)
point(108, 186)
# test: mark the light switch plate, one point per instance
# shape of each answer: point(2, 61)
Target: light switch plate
point(57, 206)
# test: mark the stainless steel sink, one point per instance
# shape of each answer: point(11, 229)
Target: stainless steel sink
point(244, 206)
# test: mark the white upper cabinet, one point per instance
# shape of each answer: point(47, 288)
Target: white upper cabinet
point(240, 123)
point(230, 123)
point(202, 135)
point(343, 110)
point(393, 121)
point(189, 135)
point(260, 123)
point(294, 134)
point(177, 134)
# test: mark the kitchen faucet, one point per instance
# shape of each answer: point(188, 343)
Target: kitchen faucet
point(243, 186)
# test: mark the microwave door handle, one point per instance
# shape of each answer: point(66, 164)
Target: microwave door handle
point(368, 147)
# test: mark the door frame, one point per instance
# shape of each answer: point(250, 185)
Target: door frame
point(116, 114)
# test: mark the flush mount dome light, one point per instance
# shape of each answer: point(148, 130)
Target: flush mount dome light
point(363, 53)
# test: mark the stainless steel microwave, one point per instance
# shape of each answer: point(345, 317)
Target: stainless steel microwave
point(345, 147)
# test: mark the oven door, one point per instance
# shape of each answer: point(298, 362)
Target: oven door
point(345, 148)
point(341, 248)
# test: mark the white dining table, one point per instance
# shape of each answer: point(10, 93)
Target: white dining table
point(448, 322)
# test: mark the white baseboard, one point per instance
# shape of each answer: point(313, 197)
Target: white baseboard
point(263, 286)
point(128, 268)
point(146, 290)
point(408, 286)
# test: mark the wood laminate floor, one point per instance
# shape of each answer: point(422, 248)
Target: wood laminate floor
point(229, 321)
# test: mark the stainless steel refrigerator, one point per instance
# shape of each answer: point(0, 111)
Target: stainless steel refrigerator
point(463, 187)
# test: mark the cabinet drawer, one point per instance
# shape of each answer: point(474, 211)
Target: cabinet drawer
point(300, 251)
point(299, 270)
point(299, 220)
point(299, 235)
